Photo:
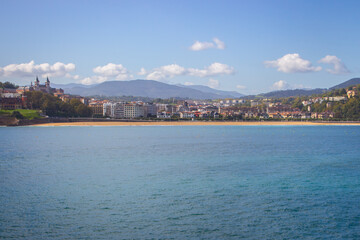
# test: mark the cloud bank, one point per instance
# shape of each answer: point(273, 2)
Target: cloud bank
point(31, 69)
point(198, 46)
point(283, 85)
point(173, 70)
point(292, 63)
point(338, 66)
point(109, 71)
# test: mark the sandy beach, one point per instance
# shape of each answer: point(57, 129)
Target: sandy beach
point(199, 123)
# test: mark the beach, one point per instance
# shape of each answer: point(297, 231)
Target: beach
point(200, 123)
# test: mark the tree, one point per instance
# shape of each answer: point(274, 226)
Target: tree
point(49, 107)
point(342, 91)
point(8, 85)
point(17, 115)
point(75, 102)
point(83, 111)
point(54, 107)
point(297, 103)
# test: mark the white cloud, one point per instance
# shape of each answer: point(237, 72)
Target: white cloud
point(188, 83)
point(114, 71)
point(173, 70)
point(93, 80)
point(283, 85)
point(292, 63)
point(75, 77)
point(280, 85)
point(213, 83)
point(198, 46)
point(219, 44)
point(338, 66)
point(109, 71)
point(142, 72)
point(31, 69)
point(212, 70)
point(167, 71)
point(240, 87)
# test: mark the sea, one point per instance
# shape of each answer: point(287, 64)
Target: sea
point(180, 182)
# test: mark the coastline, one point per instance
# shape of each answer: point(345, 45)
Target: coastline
point(198, 123)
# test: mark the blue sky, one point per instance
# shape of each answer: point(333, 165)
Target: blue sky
point(246, 46)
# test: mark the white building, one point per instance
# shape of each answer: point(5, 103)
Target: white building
point(118, 110)
point(133, 110)
point(186, 115)
point(163, 114)
point(161, 107)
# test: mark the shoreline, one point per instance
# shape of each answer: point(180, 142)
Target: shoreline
point(198, 123)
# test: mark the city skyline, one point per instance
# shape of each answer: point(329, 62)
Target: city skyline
point(250, 47)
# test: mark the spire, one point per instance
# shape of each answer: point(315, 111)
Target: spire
point(37, 79)
point(47, 79)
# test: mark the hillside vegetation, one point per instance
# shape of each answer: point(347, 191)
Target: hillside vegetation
point(24, 113)
point(54, 107)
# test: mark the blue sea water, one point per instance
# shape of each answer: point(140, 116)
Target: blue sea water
point(180, 182)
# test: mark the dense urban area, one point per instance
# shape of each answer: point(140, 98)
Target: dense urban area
point(43, 101)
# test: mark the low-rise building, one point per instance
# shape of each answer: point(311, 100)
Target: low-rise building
point(186, 115)
point(350, 93)
point(163, 115)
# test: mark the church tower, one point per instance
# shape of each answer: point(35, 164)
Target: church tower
point(37, 82)
point(47, 83)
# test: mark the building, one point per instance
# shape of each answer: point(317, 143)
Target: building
point(164, 115)
point(150, 110)
point(12, 100)
point(133, 110)
point(11, 103)
point(161, 107)
point(336, 99)
point(67, 98)
point(186, 115)
point(97, 108)
point(45, 88)
point(350, 93)
point(118, 110)
point(107, 109)
point(253, 103)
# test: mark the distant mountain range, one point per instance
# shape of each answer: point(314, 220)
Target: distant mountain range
point(306, 92)
point(227, 94)
point(146, 88)
point(290, 93)
point(351, 82)
point(155, 89)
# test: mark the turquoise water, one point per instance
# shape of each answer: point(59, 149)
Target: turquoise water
point(180, 182)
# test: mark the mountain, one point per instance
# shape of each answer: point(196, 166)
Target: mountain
point(292, 93)
point(155, 89)
point(306, 92)
point(70, 85)
point(143, 88)
point(351, 82)
point(223, 94)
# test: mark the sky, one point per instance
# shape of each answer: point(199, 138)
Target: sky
point(246, 46)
